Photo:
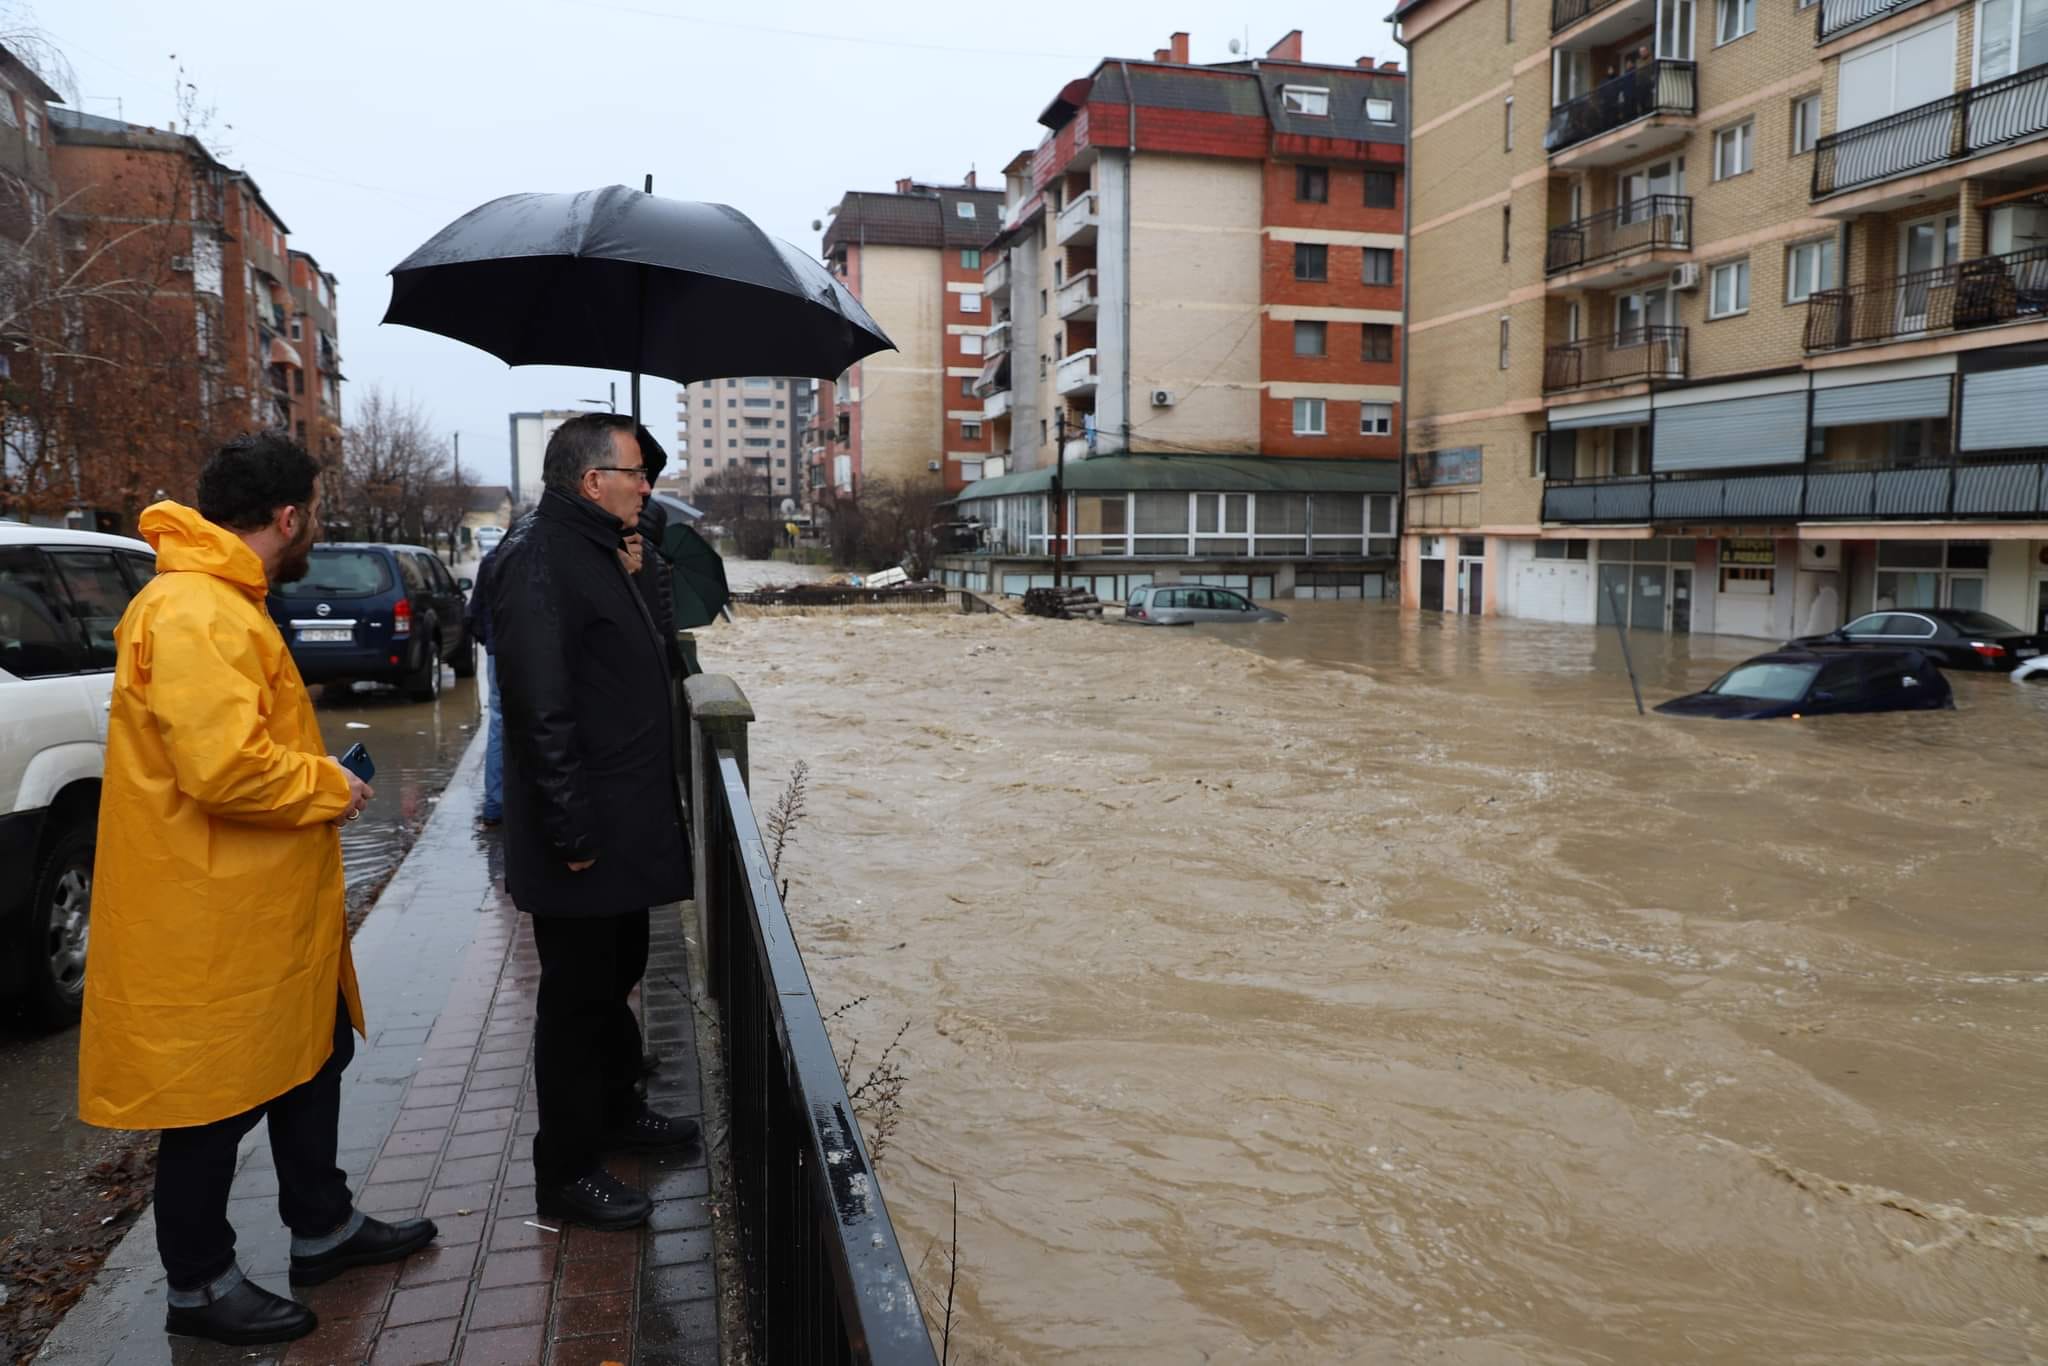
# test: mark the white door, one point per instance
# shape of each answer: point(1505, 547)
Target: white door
point(1927, 245)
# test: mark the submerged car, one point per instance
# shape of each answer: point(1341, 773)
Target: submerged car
point(1819, 682)
point(1955, 637)
point(1178, 604)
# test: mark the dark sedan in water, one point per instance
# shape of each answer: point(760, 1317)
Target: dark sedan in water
point(1824, 681)
point(1956, 637)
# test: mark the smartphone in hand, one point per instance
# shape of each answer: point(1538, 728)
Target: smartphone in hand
point(357, 761)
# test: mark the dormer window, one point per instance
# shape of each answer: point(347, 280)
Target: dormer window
point(1313, 100)
point(1380, 111)
point(963, 207)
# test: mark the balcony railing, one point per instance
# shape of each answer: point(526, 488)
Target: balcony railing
point(1644, 353)
point(998, 339)
point(1077, 220)
point(1659, 87)
point(1980, 292)
point(1075, 374)
point(1837, 17)
point(1656, 222)
point(995, 277)
point(1077, 296)
point(1953, 128)
point(996, 403)
point(1820, 492)
point(1565, 13)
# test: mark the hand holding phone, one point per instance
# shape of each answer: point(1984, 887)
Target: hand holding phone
point(357, 761)
point(359, 770)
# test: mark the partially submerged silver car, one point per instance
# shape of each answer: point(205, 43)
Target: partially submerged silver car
point(1175, 604)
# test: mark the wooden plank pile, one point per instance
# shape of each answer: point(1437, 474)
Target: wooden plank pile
point(1064, 604)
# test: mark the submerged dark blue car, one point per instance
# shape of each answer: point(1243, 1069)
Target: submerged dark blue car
point(1819, 682)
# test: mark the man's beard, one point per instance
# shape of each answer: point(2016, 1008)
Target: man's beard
point(297, 559)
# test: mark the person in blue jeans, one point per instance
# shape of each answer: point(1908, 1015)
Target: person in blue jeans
point(478, 617)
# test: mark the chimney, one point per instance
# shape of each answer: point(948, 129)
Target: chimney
point(1162, 54)
point(1369, 63)
point(970, 177)
point(1391, 68)
point(1288, 49)
point(903, 185)
point(1178, 47)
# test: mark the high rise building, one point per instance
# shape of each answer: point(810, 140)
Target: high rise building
point(755, 423)
point(1724, 316)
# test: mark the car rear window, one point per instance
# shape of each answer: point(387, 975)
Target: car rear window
point(342, 574)
point(1766, 682)
point(1984, 624)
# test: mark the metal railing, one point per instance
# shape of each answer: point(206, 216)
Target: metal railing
point(1837, 17)
point(1952, 128)
point(1643, 353)
point(1657, 87)
point(1653, 223)
point(826, 1277)
point(1565, 13)
point(1979, 292)
point(2015, 486)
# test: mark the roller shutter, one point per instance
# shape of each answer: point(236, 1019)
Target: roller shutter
point(1766, 430)
point(2003, 408)
point(1900, 400)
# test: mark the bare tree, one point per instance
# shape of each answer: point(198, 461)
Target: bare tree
point(395, 476)
point(739, 499)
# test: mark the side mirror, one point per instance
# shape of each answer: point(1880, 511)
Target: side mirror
point(465, 584)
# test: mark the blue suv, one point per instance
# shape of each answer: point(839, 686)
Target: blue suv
point(381, 613)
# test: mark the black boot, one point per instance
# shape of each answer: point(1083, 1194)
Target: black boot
point(651, 1132)
point(598, 1200)
point(243, 1317)
point(376, 1241)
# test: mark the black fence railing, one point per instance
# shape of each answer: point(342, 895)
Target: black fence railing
point(826, 1279)
point(1837, 17)
point(1952, 128)
point(1565, 13)
point(1641, 353)
point(1658, 87)
point(1980, 292)
point(1817, 492)
point(1653, 223)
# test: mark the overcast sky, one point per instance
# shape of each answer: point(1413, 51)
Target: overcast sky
point(370, 124)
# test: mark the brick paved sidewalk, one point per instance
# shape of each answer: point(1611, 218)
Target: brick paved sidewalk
point(438, 1118)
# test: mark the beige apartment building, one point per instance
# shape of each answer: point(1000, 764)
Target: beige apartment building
point(1727, 315)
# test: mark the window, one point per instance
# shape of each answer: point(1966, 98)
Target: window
point(1734, 149)
point(1503, 343)
point(1305, 99)
point(970, 344)
point(759, 402)
point(7, 110)
point(32, 125)
point(732, 422)
point(1805, 124)
point(1041, 303)
point(966, 387)
point(970, 301)
point(1729, 290)
point(970, 258)
point(965, 207)
point(1539, 466)
point(1311, 339)
point(758, 442)
point(1809, 268)
point(1507, 230)
point(1562, 550)
point(99, 592)
point(1375, 419)
point(2012, 35)
point(1379, 266)
point(1308, 419)
point(1311, 261)
point(1377, 342)
point(1312, 184)
point(732, 402)
point(1507, 124)
point(1735, 18)
point(1380, 111)
point(1379, 189)
point(970, 431)
point(757, 424)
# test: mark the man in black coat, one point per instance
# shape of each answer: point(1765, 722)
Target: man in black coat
point(593, 825)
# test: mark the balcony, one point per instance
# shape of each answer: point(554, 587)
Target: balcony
point(1654, 89)
point(1075, 374)
point(1955, 128)
point(1077, 297)
point(1982, 292)
point(1842, 492)
point(1636, 239)
point(1565, 13)
point(995, 278)
point(995, 405)
point(1632, 357)
point(997, 342)
point(1077, 221)
point(1838, 17)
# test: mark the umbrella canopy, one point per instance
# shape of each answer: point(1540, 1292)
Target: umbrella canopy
point(697, 574)
point(615, 279)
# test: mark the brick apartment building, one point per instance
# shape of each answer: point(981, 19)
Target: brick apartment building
point(756, 423)
point(914, 259)
point(1728, 316)
point(1198, 278)
point(28, 187)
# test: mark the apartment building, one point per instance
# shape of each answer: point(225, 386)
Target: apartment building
point(314, 341)
point(914, 259)
point(1724, 314)
point(28, 187)
point(530, 434)
point(755, 423)
point(1197, 284)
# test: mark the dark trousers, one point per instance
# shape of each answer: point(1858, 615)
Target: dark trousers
point(586, 1040)
point(195, 1167)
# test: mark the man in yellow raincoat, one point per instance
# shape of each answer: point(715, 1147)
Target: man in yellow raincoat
point(219, 989)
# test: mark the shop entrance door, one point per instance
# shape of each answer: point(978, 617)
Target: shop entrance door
point(1646, 604)
point(1475, 587)
point(1431, 586)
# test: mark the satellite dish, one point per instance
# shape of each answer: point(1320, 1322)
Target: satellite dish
point(816, 224)
point(789, 507)
point(1236, 46)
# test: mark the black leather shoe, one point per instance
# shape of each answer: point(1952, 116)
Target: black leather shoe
point(649, 1132)
point(243, 1317)
point(599, 1200)
point(376, 1241)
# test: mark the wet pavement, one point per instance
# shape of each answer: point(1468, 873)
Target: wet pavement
point(437, 1118)
point(1379, 987)
point(416, 746)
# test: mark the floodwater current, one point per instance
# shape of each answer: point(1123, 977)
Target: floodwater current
point(1379, 987)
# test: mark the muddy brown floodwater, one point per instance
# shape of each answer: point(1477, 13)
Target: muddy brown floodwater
point(1381, 988)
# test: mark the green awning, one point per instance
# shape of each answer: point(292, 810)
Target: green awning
point(1199, 474)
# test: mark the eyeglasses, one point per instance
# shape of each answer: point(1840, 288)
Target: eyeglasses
point(637, 471)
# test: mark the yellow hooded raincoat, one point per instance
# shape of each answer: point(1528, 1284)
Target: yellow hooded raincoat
point(218, 932)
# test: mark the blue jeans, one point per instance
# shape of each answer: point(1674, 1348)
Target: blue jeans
point(494, 752)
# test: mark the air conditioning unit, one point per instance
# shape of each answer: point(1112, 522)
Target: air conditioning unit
point(1686, 276)
point(934, 466)
point(1162, 398)
point(182, 263)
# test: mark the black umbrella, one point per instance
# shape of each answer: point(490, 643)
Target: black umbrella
point(616, 279)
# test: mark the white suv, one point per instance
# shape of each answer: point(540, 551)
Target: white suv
point(61, 595)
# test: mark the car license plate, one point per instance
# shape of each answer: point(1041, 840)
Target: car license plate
point(325, 634)
point(2026, 652)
